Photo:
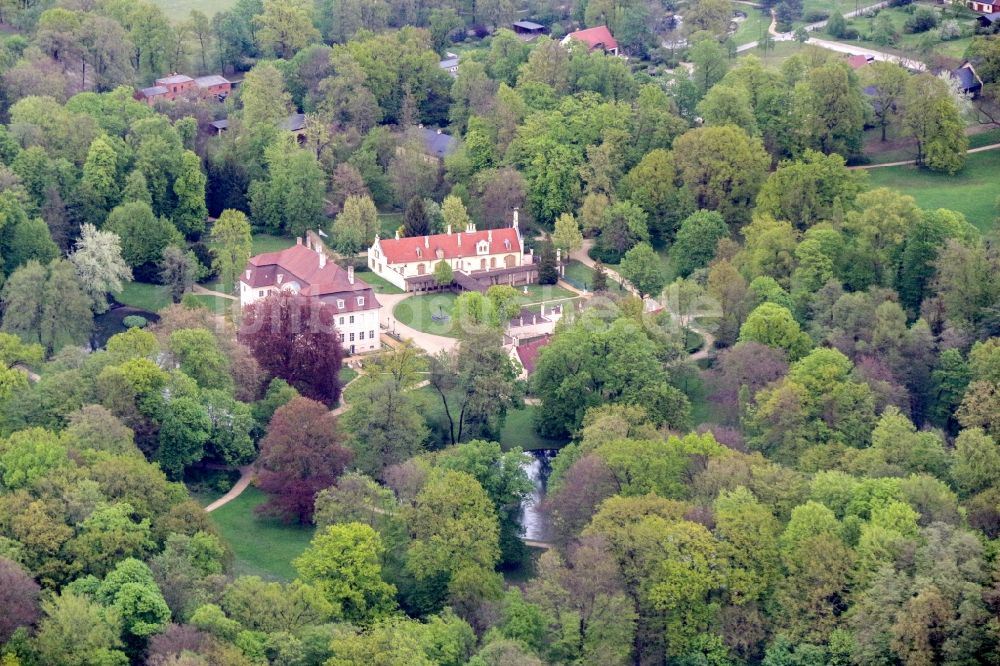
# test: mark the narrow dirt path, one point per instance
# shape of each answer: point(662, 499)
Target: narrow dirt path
point(198, 289)
point(246, 476)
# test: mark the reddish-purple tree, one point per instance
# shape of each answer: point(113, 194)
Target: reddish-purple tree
point(300, 455)
point(587, 483)
point(748, 363)
point(294, 337)
point(18, 598)
point(174, 640)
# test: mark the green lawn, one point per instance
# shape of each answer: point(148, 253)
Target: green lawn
point(418, 311)
point(152, 297)
point(215, 304)
point(346, 375)
point(580, 273)
point(519, 430)
point(267, 243)
point(261, 547)
point(873, 154)
point(178, 10)
point(753, 27)
point(378, 283)
point(777, 55)
point(388, 223)
point(830, 6)
point(971, 191)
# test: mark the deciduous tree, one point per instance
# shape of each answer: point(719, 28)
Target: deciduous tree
point(300, 455)
point(295, 338)
point(99, 265)
point(344, 562)
point(233, 241)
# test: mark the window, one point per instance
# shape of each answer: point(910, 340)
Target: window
point(341, 321)
point(371, 335)
point(260, 293)
point(351, 322)
point(352, 337)
point(340, 336)
point(361, 300)
point(340, 304)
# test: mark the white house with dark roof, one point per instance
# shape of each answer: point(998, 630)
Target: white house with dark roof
point(305, 269)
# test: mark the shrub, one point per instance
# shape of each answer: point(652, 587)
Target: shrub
point(815, 16)
point(950, 30)
point(135, 321)
point(922, 20)
point(837, 26)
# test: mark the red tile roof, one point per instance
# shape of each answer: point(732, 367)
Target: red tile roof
point(301, 264)
point(594, 37)
point(452, 246)
point(858, 61)
point(528, 352)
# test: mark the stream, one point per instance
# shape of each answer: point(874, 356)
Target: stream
point(534, 522)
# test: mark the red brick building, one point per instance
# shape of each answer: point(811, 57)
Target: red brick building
point(176, 85)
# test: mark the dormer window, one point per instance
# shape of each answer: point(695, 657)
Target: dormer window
point(420, 252)
point(361, 300)
point(340, 304)
point(506, 243)
point(482, 247)
point(248, 273)
point(281, 276)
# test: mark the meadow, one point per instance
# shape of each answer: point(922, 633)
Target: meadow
point(971, 192)
point(261, 547)
point(178, 10)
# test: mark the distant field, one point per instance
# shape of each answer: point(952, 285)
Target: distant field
point(971, 192)
point(178, 10)
point(260, 547)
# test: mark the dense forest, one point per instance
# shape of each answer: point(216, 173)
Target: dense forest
point(822, 486)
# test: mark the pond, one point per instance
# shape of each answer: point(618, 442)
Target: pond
point(535, 524)
point(111, 323)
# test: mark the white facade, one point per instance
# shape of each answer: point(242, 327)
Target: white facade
point(467, 252)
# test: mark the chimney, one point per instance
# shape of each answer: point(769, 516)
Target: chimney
point(298, 240)
point(427, 241)
point(397, 234)
point(515, 218)
point(449, 230)
point(460, 240)
point(489, 235)
point(350, 274)
point(322, 258)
